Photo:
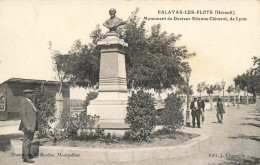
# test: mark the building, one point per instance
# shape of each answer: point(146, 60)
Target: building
point(11, 92)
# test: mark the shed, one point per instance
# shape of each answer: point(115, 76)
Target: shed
point(11, 92)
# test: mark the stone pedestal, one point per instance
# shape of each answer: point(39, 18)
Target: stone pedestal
point(112, 98)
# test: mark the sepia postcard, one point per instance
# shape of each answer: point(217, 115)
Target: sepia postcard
point(129, 82)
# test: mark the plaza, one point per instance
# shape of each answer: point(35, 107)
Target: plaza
point(141, 83)
point(234, 141)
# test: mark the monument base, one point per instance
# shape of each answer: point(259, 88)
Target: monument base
point(112, 116)
point(112, 113)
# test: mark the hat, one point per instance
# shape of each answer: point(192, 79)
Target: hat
point(195, 97)
point(199, 97)
point(28, 91)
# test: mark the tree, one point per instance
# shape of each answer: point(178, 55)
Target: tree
point(153, 61)
point(250, 79)
point(210, 90)
point(183, 89)
point(218, 88)
point(80, 66)
point(256, 75)
point(230, 89)
point(201, 87)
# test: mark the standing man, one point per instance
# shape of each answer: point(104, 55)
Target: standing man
point(220, 110)
point(195, 112)
point(202, 107)
point(29, 124)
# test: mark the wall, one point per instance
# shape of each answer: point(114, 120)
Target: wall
point(3, 112)
point(14, 92)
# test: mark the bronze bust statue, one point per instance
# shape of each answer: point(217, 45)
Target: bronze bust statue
point(113, 22)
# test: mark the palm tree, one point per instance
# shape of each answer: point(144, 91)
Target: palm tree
point(218, 88)
point(210, 90)
point(201, 87)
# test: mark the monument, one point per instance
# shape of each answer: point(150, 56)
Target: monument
point(111, 101)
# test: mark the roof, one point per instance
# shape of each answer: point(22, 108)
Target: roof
point(21, 80)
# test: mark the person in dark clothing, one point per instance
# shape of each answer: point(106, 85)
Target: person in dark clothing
point(195, 112)
point(202, 107)
point(29, 124)
point(220, 111)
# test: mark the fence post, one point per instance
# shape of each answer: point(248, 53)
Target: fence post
point(258, 103)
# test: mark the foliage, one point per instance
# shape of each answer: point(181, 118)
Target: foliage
point(212, 88)
point(90, 96)
point(110, 138)
point(218, 87)
point(82, 126)
point(153, 61)
point(250, 80)
point(169, 133)
point(230, 89)
point(45, 104)
point(141, 115)
point(80, 66)
point(256, 63)
point(201, 87)
point(184, 89)
point(172, 114)
point(163, 131)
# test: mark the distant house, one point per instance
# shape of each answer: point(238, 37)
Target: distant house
point(11, 92)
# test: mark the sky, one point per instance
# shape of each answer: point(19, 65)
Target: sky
point(223, 48)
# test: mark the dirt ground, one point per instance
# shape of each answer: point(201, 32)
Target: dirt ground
point(173, 139)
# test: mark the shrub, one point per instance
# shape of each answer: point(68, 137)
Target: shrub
point(141, 116)
point(172, 114)
point(82, 126)
point(70, 128)
point(45, 104)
